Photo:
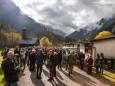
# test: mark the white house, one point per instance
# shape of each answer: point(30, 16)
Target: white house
point(104, 45)
point(107, 47)
point(82, 45)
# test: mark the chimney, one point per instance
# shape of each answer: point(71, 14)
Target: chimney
point(24, 33)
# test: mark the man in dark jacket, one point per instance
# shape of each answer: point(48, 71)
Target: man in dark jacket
point(10, 72)
point(32, 58)
point(39, 59)
point(59, 59)
point(89, 65)
point(81, 59)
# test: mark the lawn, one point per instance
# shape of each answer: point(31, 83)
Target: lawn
point(1, 72)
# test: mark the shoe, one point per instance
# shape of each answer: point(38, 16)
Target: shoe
point(69, 74)
point(39, 77)
point(54, 76)
point(50, 79)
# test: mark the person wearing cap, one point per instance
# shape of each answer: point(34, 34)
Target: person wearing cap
point(71, 62)
point(10, 71)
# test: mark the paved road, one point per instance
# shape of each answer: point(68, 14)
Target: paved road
point(79, 78)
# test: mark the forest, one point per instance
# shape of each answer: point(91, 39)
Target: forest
point(8, 36)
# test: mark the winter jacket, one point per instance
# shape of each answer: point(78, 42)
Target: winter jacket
point(10, 73)
point(39, 59)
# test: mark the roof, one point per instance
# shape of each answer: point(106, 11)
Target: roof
point(83, 41)
point(105, 38)
point(70, 43)
point(28, 41)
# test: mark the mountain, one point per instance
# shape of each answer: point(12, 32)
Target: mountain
point(109, 25)
point(58, 32)
point(11, 15)
point(78, 34)
point(89, 31)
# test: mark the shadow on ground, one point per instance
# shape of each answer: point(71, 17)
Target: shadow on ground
point(103, 79)
point(60, 83)
point(80, 79)
point(35, 81)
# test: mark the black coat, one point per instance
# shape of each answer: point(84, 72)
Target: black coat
point(10, 73)
point(54, 60)
point(32, 57)
point(59, 56)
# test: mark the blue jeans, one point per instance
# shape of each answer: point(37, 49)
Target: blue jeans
point(12, 84)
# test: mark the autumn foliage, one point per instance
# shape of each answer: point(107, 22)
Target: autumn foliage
point(45, 42)
point(103, 34)
point(8, 36)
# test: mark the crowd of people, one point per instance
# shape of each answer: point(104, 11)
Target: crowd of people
point(52, 58)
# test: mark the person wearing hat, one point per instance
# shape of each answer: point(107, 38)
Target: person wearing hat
point(71, 62)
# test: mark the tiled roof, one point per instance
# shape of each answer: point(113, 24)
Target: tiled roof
point(28, 41)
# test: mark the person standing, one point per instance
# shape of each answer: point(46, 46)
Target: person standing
point(51, 61)
point(81, 59)
point(32, 58)
point(64, 59)
point(89, 65)
point(4, 53)
point(39, 59)
point(60, 59)
point(10, 71)
point(54, 62)
point(22, 54)
point(17, 51)
point(71, 62)
point(101, 63)
point(97, 63)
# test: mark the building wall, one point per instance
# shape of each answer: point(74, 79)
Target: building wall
point(82, 48)
point(107, 47)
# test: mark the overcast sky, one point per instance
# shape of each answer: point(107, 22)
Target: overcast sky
point(66, 15)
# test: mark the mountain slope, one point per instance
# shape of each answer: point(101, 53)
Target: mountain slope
point(89, 31)
point(11, 15)
point(58, 32)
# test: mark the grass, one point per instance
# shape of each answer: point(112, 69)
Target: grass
point(108, 77)
point(1, 73)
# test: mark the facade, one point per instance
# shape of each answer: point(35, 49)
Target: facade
point(82, 46)
point(105, 46)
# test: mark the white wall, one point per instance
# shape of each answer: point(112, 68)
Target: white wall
point(82, 48)
point(107, 47)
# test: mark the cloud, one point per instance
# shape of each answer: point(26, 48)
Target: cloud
point(67, 15)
